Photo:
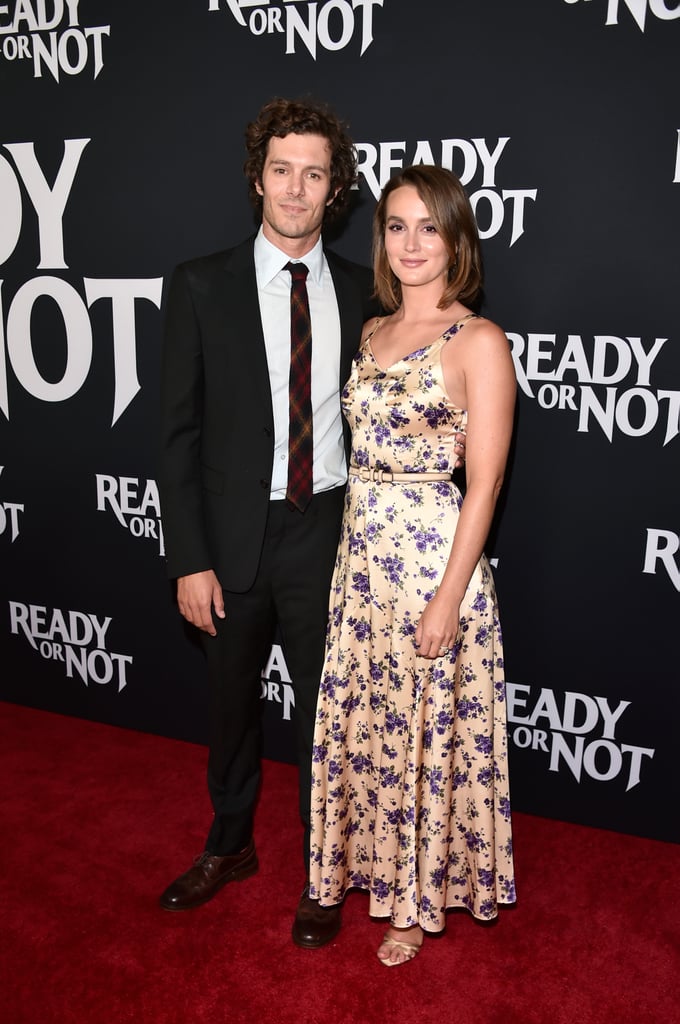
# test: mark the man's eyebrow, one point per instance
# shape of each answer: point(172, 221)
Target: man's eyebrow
point(308, 167)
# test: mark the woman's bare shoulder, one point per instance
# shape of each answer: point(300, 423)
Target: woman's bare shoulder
point(483, 337)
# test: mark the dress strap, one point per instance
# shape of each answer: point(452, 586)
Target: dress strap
point(376, 325)
point(463, 320)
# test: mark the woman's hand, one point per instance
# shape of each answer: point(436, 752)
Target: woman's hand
point(438, 628)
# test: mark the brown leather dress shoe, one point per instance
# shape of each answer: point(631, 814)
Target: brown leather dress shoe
point(206, 877)
point(315, 925)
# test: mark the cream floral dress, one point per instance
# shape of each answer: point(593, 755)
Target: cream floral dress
point(410, 787)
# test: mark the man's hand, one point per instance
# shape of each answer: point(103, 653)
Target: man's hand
point(197, 595)
point(459, 449)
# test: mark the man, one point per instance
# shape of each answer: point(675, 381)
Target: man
point(244, 556)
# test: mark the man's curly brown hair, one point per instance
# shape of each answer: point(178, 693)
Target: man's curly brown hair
point(281, 117)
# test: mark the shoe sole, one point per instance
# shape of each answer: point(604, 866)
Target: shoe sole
point(237, 875)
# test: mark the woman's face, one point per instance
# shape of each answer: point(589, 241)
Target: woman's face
point(415, 250)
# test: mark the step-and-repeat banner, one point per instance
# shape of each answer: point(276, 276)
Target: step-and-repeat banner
point(121, 152)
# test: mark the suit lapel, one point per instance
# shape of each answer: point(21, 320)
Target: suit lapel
point(242, 314)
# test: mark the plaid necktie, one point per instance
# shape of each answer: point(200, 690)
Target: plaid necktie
point(300, 441)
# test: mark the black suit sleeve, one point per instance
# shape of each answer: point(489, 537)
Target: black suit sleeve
point(182, 394)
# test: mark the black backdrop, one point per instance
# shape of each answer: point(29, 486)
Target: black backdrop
point(120, 154)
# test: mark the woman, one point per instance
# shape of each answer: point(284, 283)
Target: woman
point(410, 791)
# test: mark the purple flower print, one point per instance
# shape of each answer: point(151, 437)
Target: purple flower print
point(319, 753)
point(504, 807)
point(483, 636)
point(351, 703)
point(408, 627)
point(436, 776)
point(392, 566)
point(450, 331)
point(373, 531)
point(437, 416)
point(426, 904)
point(474, 842)
point(381, 434)
point(356, 543)
point(397, 418)
point(338, 733)
point(418, 354)
point(360, 583)
point(460, 778)
point(485, 776)
point(334, 769)
point(414, 497)
point(427, 539)
point(483, 744)
point(380, 888)
point(438, 875)
point(469, 708)
point(360, 763)
point(329, 684)
point(508, 886)
point(376, 673)
point(486, 877)
point(389, 777)
point(444, 722)
point(479, 603)
point(337, 857)
point(395, 722)
point(360, 880)
point(362, 629)
point(443, 487)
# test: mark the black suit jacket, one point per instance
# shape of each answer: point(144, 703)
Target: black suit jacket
point(217, 424)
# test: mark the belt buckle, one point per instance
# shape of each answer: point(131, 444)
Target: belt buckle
point(373, 475)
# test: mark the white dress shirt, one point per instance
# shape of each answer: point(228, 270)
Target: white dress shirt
point(273, 285)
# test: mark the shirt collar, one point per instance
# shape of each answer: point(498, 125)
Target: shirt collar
point(270, 261)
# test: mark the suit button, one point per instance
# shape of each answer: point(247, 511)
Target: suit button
point(268, 431)
point(264, 484)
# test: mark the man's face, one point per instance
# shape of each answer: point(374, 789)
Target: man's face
point(295, 190)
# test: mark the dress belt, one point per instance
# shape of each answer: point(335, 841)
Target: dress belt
point(386, 476)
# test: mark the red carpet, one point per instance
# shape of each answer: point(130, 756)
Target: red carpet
point(97, 820)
